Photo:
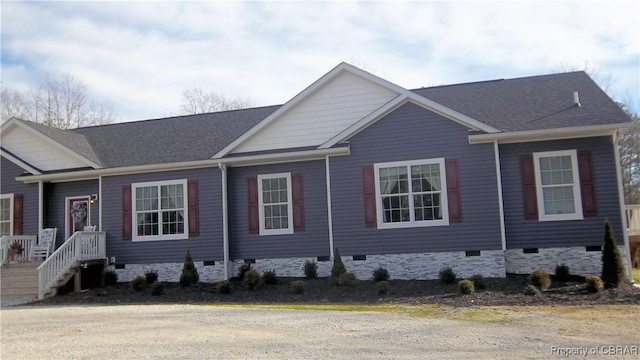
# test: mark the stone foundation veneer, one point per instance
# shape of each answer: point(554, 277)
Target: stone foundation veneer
point(170, 272)
point(578, 259)
point(421, 266)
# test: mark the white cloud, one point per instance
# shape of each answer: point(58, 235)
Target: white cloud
point(140, 56)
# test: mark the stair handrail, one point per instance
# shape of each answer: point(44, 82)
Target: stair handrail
point(82, 245)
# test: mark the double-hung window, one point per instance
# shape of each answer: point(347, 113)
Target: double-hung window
point(558, 185)
point(411, 193)
point(160, 210)
point(6, 214)
point(275, 206)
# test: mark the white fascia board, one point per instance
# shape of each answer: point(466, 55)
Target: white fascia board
point(293, 156)
point(19, 162)
point(405, 97)
point(304, 94)
point(549, 134)
point(50, 141)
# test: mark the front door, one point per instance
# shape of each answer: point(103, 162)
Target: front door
point(78, 214)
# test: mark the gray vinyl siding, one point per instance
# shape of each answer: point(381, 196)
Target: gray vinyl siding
point(55, 204)
point(522, 233)
point(8, 185)
point(310, 242)
point(208, 245)
point(412, 133)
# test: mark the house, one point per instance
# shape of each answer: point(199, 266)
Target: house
point(490, 178)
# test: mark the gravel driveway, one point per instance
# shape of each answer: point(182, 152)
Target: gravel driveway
point(210, 332)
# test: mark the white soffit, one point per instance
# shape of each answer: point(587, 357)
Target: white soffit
point(36, 151)
point(334, 107)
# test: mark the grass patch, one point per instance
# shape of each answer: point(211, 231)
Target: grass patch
point(431, 311)
point(636, 275)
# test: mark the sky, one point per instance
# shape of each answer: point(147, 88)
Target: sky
point(140, 56)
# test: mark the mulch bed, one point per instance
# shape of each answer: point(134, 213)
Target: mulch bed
point(499, 291)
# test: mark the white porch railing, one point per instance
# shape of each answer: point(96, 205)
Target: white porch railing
point(27, 241)
point(633, 219)
point(82, 245)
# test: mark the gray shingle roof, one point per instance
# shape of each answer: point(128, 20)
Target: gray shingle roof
point(174, 139)
point(530, 103)
point(74, 141)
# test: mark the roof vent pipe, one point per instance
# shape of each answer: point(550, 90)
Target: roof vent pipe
point(576, 99)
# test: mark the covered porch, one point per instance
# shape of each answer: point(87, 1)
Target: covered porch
point(633, 230)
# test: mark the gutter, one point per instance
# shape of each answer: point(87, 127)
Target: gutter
point(549, 134)
point(225, 221)
point(316, 154)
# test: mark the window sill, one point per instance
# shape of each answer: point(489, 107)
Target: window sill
point(401, 225)
point(276, 232)
point(160, 238)
point(563, 217)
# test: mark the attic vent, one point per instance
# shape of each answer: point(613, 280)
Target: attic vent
point(576, 99)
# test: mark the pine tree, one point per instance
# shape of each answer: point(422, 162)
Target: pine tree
point(189, 274)
point(612, 266)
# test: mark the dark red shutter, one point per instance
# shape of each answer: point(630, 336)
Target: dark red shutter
point(586, 183)
point(369, 190)
point(254, 224)
point(17, 214)
point(529, 187)
point(192, 195)
point(453, 191)
point(298, 204)
point(126, 212)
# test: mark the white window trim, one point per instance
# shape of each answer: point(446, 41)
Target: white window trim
point(10, 197)
point(410, 224)
point(577, 195)
point(134, 225)
point(264, 231)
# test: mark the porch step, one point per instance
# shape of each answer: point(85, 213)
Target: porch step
point(19, 279)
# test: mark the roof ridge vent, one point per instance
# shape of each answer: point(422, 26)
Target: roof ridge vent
point(576, 99)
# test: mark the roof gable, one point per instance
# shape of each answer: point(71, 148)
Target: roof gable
point(47, 149)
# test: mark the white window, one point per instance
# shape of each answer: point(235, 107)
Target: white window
point(274, 204)
point(6, 214)
point(411, 193)
point(557, 185)
point(160, 210)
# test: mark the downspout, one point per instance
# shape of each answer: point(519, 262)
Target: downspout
point(623, 215)
point(225, 220)
point(329, 215)
point(40, 206)
point(503, 236)
point(100, 203)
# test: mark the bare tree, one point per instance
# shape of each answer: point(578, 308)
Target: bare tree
point(62, 103)
point(196, 101)
point(629, 145)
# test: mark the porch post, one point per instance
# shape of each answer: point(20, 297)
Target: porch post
point(623, 211)
point(40, 206)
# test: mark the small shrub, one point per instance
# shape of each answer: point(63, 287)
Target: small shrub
point(540, 279)
point(310, 269)
point(466, 287)
point(531, 291)
point(478, 282)
point(252, 279)
point(337, 269)
point(380, 274)
point(151, 276)
point(110, 277)
point(612, 266)
point(242, 270)
point(189, 274)
point(562, 273)
point(447, 275)
point(269, 277)
point(347, 279)
point(382, 287)
point(594, 284)
point(157, 289)
point(224, 287)
point(298, 286)
point(138, 283)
